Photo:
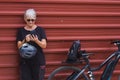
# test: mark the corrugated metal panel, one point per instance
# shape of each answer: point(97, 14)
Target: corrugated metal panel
point(94, 22)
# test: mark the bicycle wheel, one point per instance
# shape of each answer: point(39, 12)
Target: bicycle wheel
point(66, 73)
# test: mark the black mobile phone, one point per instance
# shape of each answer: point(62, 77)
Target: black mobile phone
point(33, 32)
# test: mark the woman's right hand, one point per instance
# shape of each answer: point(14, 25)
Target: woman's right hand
point(27, 38)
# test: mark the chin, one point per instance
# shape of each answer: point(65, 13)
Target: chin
point(30, 25)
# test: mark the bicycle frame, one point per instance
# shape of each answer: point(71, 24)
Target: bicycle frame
point(112, 61)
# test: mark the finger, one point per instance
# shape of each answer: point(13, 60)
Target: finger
point(33, 35)
point(36, 36)
point(27, 35)
point(31, 38)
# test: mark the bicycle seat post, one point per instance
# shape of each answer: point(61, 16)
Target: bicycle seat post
point(90, 73)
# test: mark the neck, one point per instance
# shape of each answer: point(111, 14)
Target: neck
point(30, 27)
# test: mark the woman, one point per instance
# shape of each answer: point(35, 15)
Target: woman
point(33, 68)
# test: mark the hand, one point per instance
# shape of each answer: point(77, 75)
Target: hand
point(34, 38)
point(27, 38)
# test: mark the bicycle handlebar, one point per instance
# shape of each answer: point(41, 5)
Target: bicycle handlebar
point(83, 54)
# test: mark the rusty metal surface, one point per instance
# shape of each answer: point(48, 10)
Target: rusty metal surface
point(94, 22)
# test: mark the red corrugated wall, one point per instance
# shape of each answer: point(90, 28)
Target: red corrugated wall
point(94, 22)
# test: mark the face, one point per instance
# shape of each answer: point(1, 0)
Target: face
point(30, 21)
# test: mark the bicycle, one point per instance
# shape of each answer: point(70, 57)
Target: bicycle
point(75, 73)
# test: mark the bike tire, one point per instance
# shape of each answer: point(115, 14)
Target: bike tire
point(55, 75)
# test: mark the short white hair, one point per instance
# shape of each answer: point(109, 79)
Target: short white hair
point(30, 13)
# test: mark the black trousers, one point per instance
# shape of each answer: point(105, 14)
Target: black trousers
point(31, 71)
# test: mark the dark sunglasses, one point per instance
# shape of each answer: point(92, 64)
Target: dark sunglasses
point(30, 20)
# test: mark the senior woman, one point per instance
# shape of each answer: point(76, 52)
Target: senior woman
point(32, 68)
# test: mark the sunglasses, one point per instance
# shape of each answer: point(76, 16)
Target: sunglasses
point(30, 20)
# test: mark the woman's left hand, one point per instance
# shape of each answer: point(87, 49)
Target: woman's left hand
point(41, 43)
point(34, 38)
